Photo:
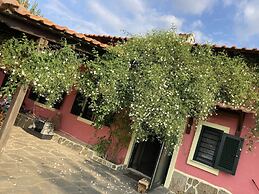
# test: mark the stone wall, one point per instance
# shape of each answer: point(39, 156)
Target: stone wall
point(85, 150)
point(182, 183)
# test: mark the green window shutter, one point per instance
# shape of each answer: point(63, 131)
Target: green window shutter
point(229, 153)
point(208, 144)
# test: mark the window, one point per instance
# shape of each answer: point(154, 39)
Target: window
point(35, 97)
point(213, 149)
point(6, 76)
point(208, 144)
point(81, 107)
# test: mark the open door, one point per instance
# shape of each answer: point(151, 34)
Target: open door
point(144, 157)
point(151, 160)
point(161, 168)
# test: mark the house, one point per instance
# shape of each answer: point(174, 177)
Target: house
point(76, 119)
point(213, 156)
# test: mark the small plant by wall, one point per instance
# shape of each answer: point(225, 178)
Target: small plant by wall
point(102, 146)
point(119, 137)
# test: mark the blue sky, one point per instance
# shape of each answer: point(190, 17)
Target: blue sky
point(228, 22)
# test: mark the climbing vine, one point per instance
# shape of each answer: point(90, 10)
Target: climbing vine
point(158, 79)
point(50, 72)
point(161, 81)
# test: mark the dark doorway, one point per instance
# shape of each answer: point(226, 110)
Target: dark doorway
point(145, 155)
point(151, 159)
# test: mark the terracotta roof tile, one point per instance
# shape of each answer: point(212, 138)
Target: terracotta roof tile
point(14, 7)
point(234, 48)
point(98, 40)
point(47, 22)
point(106, 36)
point(107, 39)
point(13, 3)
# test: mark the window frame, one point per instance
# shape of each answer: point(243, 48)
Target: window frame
point(84, 108)
point(194, 145)
point(219, 134)
point(41, 101)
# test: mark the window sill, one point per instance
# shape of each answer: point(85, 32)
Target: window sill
point(84, 120)
point(203, 167)
point(44, 106)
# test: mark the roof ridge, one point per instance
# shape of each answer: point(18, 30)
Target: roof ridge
point(217, 46)
point(106, 35)
point(10, 2)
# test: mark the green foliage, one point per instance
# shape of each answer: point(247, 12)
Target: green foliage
point(31, 6)
point(102, 146)
point(158, 80)
point(161, 80)
point(118, 138)
point(50, 72)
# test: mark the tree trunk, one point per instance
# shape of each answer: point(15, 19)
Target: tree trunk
point(11, 115)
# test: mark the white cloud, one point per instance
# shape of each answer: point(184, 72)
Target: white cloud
point(137, 6)
point(152, 21)
point(197, 24)
point(169, 20)
point(196, 28)
point(132, 16)
point(246, 19)
point(200, 37)
point(109, 18)
point(193, 6)
point(66, 17)
point(228, 2)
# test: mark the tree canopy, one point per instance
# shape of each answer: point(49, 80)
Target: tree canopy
point(158, 80)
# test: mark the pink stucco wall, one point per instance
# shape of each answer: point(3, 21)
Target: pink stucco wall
point(69, 123)
point(241, 182)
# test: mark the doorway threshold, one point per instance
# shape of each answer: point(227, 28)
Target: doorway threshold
point(136, 175)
